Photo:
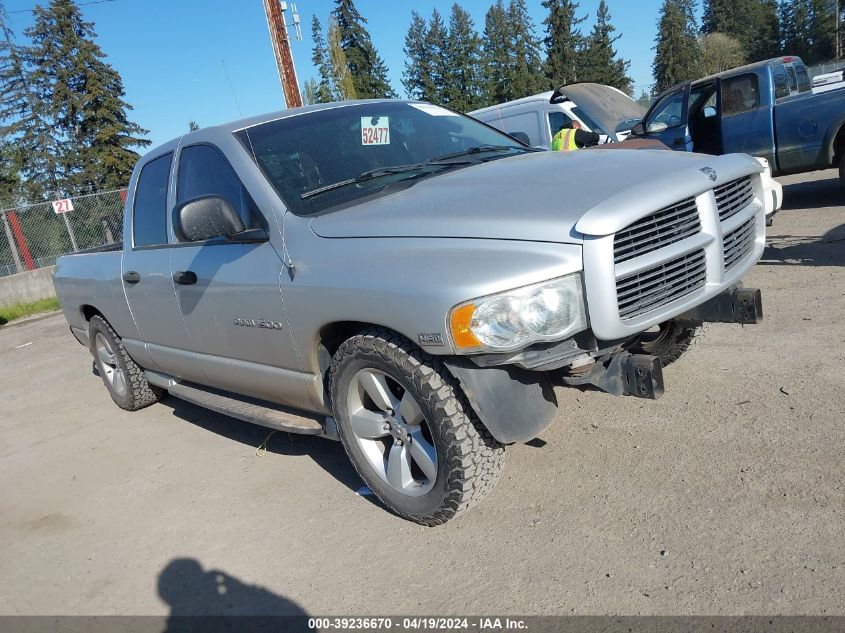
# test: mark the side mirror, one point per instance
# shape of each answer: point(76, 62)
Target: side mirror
point(208, 217)
point(657, 126)
point(522, 137)
point(638, 129)
point(709, 111)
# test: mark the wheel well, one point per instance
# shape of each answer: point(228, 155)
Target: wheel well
point(90, 311)
point(333, 335)
point(838, 145)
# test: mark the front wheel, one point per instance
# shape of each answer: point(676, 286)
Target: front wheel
point(408, 429)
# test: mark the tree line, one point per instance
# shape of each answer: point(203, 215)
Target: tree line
point(64, 123)
point(449, 62)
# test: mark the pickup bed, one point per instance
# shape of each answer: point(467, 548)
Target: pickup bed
point(411, 282)
point(767, 109)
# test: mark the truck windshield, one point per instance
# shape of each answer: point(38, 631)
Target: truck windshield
point(340, 155)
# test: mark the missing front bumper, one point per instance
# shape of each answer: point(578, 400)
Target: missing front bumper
point(736, 305)
point(624, 374)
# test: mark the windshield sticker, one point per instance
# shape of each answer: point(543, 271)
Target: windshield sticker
point(375, 130)
point(433, 110)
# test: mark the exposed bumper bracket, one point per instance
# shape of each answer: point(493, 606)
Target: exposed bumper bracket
point(625, 374)
point(736, 305)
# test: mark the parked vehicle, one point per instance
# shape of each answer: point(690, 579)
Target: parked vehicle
point(536, 119)
point(766, 109)
point(411, 281)
point(829, 81)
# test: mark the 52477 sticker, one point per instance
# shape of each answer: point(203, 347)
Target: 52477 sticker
point(375, 130)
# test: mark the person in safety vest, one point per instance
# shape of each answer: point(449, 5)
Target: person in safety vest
point(571, 136)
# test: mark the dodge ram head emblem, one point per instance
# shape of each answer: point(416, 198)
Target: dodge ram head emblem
point(710, 173)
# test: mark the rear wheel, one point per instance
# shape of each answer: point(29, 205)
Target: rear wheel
point(408, 430)
point(123, 378)
point(668, 342)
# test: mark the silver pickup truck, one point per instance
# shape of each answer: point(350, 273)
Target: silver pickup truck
point(410, 281)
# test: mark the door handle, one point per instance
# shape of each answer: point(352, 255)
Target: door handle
point(680, 141)
point(185, 277)
point(131, 277)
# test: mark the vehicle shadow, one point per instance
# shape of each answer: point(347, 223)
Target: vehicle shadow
point(328, 454)
point(790, 250)
point(211, 600)
point(812, 194)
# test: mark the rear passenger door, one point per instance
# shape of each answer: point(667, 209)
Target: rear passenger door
point(233, 309)
point(146, 276)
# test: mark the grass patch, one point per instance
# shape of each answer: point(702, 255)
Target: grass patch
point(20, 310)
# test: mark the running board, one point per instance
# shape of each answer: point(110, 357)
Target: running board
point(248, 409)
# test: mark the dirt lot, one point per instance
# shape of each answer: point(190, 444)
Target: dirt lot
point(724, 497)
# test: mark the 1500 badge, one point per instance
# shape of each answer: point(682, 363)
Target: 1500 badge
point(267, 325)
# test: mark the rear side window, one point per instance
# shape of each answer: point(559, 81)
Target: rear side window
point(149, 215)
point(781, 83)
point(803, 78)
point(793, 79)
point(204, 171)
point(740, 94)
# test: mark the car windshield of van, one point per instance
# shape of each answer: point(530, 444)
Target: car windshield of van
point(326, 158)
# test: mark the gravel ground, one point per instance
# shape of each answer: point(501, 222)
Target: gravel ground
point(723, 497)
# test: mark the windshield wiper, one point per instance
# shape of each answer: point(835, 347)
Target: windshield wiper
point(478, 149)
point(371, 174)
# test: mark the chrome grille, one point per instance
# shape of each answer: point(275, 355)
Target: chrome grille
point(733, 197)
point(651, 288)
point(738, 243)
point(666, 226)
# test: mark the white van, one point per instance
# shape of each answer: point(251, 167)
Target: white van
point(598, 108)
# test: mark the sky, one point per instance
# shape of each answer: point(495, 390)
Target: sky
point(175, 55)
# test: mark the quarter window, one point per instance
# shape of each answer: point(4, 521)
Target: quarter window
point(740, 94)
point(149, 215)
point(781, 83)
point(204, 171)
point(558, 120)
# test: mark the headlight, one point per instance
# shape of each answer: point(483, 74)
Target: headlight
point(516, 318)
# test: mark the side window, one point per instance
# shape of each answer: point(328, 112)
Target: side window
point(149, 211)
point(740, 94)
point(803, 78)
point(781, 83)
point(793, 79)
point(557, 120)
point(204, 171)
point(667, 113)
point(527, 122)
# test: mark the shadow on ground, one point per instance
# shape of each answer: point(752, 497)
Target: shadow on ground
point(327, 453)
point(812, 194)
point(790, 250)
point(212, 600)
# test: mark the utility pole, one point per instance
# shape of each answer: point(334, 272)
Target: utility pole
point(275, 12)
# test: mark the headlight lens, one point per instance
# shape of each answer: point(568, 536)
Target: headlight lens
point(546, 311)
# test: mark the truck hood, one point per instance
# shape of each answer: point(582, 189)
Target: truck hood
point(541, 197)
point(606, 106)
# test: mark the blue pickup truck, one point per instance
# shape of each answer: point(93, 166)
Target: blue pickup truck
point(766, 109)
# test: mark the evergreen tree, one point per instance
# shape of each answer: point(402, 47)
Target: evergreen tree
point(435, 43)
point(599, 60)
point(320, 59)
point(752, 22)
point(463, 71)
point(82, 95)
point(193, 126)
point(822, 31)
point(795, 29)
point(563, 42)
point(416, 78)
point(366, 67)
point(526, 72)
point(676, 48)
point(343, 83)
point(497, 55)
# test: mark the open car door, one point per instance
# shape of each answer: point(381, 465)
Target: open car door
point(667, 120)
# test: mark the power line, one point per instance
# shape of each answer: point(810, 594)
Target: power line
point(79, 4)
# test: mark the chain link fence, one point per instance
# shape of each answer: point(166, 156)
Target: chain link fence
point(35, 235)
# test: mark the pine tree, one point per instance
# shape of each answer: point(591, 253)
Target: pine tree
point(416, 78)
point(676, 48)
point(497, 55)
point(463, 71)
point(366, 67)
point(343, 84)
point(822, 31)
point(435, 43)
point(599, 61)
point(526, 73)
point(562, 42)
point(796, 29)
point(320, 59)
point(752, 22)
point(82, 95)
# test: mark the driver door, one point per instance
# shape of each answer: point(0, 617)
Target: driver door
point(667, 122)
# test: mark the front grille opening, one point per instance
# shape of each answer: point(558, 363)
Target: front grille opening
point(662, 228)
point(738, 243)
point(733, 196)
point(654, 287)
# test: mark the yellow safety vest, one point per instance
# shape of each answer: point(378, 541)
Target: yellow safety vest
point(564, 140)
